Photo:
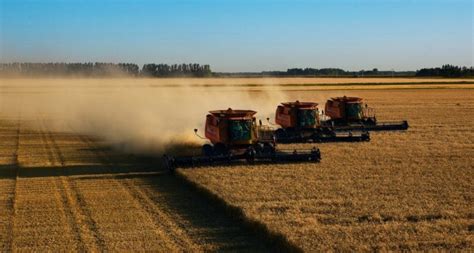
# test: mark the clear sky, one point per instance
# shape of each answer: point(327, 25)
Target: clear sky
point(241, 35)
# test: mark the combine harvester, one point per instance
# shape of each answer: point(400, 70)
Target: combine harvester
point(235, 136)
point(351, 113)
point(300, 122)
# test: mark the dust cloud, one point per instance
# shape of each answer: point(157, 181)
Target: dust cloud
point(133, 115)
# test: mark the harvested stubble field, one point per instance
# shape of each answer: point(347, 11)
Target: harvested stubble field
point(63, 190)
point(67, 192)
point(402, 191)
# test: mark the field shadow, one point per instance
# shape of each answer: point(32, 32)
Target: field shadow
point(78, 170)
point(8, 171)
point(122, 163)
point(199, 215)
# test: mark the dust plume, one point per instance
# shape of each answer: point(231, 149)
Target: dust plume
point(134, 115)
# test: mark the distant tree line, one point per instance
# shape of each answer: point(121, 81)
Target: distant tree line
point(447, 71)
point(99, 69)
point(88, 69)
point(444, 71)
point(334, 72)
point(176, 70)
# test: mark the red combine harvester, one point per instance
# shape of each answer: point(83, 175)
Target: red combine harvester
point(351, 113)
point(300, 122)
point(235, 136)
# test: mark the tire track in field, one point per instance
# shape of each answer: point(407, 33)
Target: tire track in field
point(11, 206)
point(59, 188)
point(39, 207)
point(84, 228)
point(16, 164)
point(163, 225)
point(160, 218)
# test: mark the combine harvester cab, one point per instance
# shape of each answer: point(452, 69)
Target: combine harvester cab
point(300, 122)
point(234, 136)
point(351, 113)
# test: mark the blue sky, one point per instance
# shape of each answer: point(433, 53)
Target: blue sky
point(241, 35)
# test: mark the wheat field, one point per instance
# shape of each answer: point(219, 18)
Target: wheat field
point(64, 190)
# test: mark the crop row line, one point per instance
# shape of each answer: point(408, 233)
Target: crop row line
point(162, 224)
point(70, 199)
point(13, 204)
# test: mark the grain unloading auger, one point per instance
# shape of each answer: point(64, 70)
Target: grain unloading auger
point(235, 136)
point(351, 113)
point(300, 122)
